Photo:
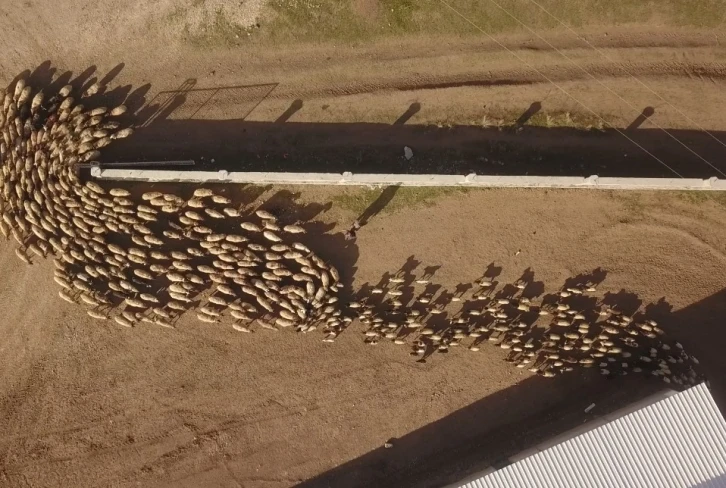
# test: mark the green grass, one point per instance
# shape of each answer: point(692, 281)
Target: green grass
point(357, 200)
point(286, 21)
point(503, 119)
point(566, 119)
point(318, 20)
point(217, 30)
point(706, 13)
point(313, 20)
point(701, 197)
point(632, 202)
point(547, 119)
point(399, 13)
point(636, 204)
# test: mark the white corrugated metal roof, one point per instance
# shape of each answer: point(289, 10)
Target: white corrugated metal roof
point(678, 442)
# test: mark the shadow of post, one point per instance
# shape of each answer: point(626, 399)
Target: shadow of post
point(533, 109)
point(640, 119)
point(294, 107)
point(175, 129)
point(406, 116)
point(378, 205)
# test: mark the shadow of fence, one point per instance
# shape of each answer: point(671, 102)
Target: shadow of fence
point(239, 145)
point(188, 102)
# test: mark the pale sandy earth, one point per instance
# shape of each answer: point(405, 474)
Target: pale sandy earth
point(89, 404)
point(85, 404)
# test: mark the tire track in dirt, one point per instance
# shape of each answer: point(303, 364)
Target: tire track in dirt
point(173, 440)
point(558, 72)
point(656, 228)
point(619, 39)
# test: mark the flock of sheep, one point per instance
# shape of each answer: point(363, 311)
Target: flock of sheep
point(559, 333)
point(151, 257)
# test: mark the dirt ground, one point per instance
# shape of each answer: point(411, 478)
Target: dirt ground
point(463, 106)
point(613, 99)
point(83, 404)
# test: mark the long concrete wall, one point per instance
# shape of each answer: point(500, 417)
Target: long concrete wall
point(374, 180)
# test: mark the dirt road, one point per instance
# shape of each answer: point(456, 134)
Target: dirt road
point(628, 100)
point(467, 107)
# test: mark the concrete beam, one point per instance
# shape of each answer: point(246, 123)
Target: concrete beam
point(379, 180)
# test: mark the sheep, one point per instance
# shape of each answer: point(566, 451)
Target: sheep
point(48, 210)
point(97, 315)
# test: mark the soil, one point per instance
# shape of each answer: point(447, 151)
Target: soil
point(367, 9)
point(83, 404)
point(468, 107)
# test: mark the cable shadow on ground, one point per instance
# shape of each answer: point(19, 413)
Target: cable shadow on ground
point(412, 110)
